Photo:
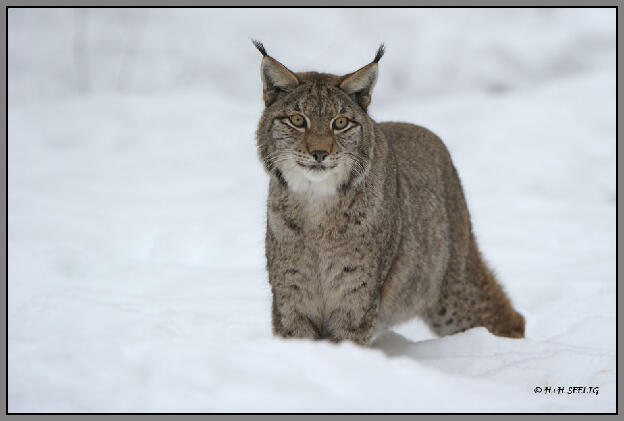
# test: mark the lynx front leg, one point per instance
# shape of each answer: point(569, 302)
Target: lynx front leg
point(288, 319)
point(354, 316)
point(347, 324)
point(292, 324)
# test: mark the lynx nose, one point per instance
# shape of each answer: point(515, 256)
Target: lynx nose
point(319, 155)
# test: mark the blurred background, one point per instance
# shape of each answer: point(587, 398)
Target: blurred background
point(136, 205)
point(432, 52)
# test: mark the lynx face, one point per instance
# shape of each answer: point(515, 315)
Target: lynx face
point(314, 134)
point(317, 139)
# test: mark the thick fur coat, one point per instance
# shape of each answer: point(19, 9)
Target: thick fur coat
point(367, 225)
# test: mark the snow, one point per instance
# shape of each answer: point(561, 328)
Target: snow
point(136, 208)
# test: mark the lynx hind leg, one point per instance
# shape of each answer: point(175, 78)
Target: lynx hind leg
point(496, 312)
point(476, 300)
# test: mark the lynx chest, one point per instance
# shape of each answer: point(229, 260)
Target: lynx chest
point(321, 249)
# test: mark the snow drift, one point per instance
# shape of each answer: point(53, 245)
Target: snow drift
point(136, 208)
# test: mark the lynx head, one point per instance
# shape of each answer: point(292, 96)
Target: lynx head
point(314, 134)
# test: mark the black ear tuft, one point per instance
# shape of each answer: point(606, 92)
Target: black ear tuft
point(378, 56)
point(260, 47)
point(277, 80)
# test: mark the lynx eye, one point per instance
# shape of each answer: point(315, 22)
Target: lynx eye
point(340, 123)
point(297, 120)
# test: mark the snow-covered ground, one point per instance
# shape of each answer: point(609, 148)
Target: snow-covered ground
point(136, 208)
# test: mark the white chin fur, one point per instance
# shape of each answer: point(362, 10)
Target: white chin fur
point(316, 176)
point(322, 183)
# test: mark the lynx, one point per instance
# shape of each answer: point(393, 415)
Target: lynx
point(367, 225)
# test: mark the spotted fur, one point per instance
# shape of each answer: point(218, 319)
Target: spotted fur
point(375, 234)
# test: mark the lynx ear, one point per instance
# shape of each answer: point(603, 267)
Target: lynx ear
point(276, 78)
point(359, 84)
